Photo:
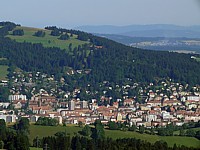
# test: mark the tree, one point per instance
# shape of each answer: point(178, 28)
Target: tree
point(46, 121)
point(23, 125)
point(133, 128)
point(80, 123)
point(39, 33)
point(112, 125)
point(98, 132)
point(2, 129)
point(55, 32)
point(190, 132)
point(18, 32)
point(64, 37)
point(86, 131)
point(22, 141)
point(182, 132)
point(197, 135)
point(141, 129)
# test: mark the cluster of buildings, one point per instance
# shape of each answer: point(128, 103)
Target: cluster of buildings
point(156, 104)
point(156, 111)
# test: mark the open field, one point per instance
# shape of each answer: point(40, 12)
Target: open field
point(3, 72)
point(171, 140)
point(47, 40)
point(42, 131)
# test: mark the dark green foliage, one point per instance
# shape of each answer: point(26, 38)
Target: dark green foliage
point(160, 145)
point(39, 33)
point(55, 32)
point(98, 133)
point(2, 129)
point(16, 140)
point(141, 129)
point(197, 135)
point(112, 125)
point(79, 143)
point(64, 37)
point(86, 131)
point(82, 36)
point(23, 125)
point(18, 32)
point(45, 121)
point(4, 93)
point(58, 142)
point(132, 128)
point(167, 131)
point(7, 26)
point(190, 133)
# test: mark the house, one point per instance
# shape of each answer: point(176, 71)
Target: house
point(19, 104)
point(41, 109)
point(154, 103)
point(8, 118)
point(17, 97)
point(4, 105)
point(171, 103)
point(128, 102)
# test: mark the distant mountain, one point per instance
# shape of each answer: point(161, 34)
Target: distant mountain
point(157, 30)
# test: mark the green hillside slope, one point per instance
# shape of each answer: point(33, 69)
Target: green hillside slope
point(47, 40)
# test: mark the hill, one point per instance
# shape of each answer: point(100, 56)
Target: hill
point(105, 59)
point(47, 40)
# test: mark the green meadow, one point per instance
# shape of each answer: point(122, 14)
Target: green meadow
point(42, 131)
point(47, 40)
point(3, 72)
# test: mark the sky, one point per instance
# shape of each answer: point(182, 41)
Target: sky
point(73, 13)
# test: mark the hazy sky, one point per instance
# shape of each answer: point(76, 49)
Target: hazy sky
point(70, 13)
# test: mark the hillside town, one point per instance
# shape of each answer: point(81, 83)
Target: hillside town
point(155, 104)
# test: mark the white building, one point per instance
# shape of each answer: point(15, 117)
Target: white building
point(16, 97)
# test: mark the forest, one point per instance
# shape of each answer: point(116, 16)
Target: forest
point(107, 60)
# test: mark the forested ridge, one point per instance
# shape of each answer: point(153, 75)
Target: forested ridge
point(107, 60)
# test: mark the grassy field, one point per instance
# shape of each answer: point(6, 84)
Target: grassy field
point(42, 131)
point(48, 40)
point(171, 140)
point(3, 72)
point(35, 148)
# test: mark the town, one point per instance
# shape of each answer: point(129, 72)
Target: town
point(35, 95)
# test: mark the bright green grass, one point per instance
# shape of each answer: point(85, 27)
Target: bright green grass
point(48, 40)
point(43, 131)
point(35, 148)
point(3, 72)
point(171, 140)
